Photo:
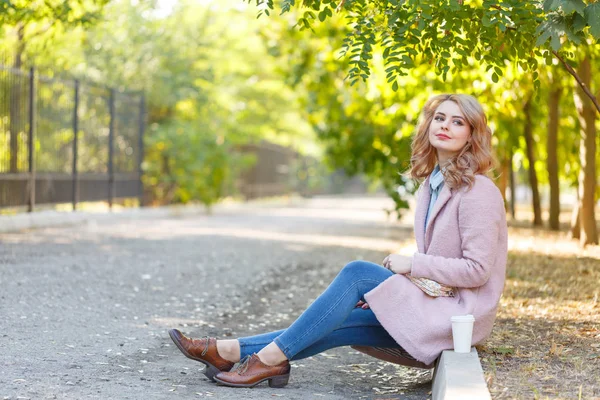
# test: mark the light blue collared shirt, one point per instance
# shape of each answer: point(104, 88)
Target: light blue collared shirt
point(436, 183)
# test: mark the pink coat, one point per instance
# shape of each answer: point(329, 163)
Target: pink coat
point(463, 246)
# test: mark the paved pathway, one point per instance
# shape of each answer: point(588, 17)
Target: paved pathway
point(84, 310)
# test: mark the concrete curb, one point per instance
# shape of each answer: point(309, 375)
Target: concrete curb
point(51, 218)
point(459, 376)
point(45, 219)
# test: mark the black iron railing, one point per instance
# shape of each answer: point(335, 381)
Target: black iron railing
point(67, 141)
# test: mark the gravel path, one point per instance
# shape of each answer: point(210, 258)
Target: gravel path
point(84, 310)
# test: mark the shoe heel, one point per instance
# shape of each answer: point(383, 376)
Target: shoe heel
point(210, 372)
point(279, 381)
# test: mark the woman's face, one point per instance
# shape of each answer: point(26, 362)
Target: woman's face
point(449, 131)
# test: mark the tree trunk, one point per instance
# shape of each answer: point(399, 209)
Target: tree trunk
point(511, 179)
point(587, 158)
point(575, 225)
point(16, 123)
point(533, 182)
point(503, 180)
point(552, 160)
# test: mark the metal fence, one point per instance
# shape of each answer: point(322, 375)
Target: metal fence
point(62, 140)
point(67, 141)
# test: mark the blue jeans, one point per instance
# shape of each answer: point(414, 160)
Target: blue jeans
point(332, 320)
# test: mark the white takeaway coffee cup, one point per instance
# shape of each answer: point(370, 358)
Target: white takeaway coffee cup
point(462, 332)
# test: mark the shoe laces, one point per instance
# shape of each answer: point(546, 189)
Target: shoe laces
point(243, 365)
point(207, 339)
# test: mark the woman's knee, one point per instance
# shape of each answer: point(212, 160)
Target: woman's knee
point(358, 267)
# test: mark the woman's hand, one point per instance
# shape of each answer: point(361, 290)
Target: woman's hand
point(362, 304)
point(398, 264)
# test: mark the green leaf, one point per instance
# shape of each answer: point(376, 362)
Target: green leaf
point(395, 86)
point(486, 21)
point(555, 42)
point(592, 14)
point(542, 38)
point(573, 37)
point(578, 22)
point(570, 6)
point(551, 5)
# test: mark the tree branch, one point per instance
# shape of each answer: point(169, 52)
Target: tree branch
point(578, 79)
point(42, 30)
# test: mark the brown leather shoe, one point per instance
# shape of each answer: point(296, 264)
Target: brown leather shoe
point(203, 350)
point(253, 371)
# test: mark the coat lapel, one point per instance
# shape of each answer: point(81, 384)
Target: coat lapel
point(441, 201)
point(423, 196)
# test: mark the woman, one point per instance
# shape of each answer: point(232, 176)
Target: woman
point(459, 268)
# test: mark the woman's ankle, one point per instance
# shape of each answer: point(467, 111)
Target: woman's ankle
point(229, 349)
point(271, 355)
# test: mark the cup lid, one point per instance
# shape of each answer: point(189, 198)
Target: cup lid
point(463, 318)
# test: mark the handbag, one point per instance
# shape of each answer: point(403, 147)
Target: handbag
point(431, 287)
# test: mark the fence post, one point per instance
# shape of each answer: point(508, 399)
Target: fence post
point(75, 144)
point(111, 134)
point(142, 125)
point(31, 138)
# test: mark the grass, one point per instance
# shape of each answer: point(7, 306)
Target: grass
point(546, 340)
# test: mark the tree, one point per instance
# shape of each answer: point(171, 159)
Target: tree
point(587, 175)
point(448, 35)
point(38, 19)
point(530, 148)
point(551, 150)
point(366, 128)
point(211, 87)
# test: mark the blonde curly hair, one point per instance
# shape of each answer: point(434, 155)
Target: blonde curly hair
point(474, 158)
